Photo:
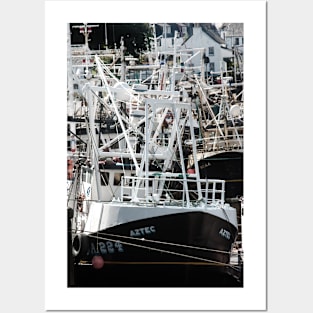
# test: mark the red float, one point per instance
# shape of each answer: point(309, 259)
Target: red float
point(97, 262)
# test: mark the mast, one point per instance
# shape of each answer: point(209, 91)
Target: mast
point(86, 30)
point(103, 78)
point(92, 132)
point(155, 43)
point(106, 35)
point(70, 105)
point(123, 66)
point(146, 151)
point(174, 62)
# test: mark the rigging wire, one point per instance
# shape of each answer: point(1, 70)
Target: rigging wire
point(100, 236)
point(164, 251)
point(165, 243)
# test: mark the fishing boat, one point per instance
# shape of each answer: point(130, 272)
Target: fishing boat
point(221, 145)
point(141, 213)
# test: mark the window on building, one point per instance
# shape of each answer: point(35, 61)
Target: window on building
point(212, 67)
point(211, 51)
point(237, 41)
point(168, 29)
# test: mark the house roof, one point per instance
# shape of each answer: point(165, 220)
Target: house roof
point(211, 30)
point(233, 29)
point(174, 26)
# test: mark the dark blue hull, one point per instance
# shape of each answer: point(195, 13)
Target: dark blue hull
point(186, 249)
point(227, 166)
point(174, 275)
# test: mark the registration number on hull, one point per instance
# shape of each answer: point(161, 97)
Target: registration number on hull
point(224, 233)
point(107, 247)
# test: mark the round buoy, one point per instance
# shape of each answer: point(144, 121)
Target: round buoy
point(234, 110)
point(97, 262)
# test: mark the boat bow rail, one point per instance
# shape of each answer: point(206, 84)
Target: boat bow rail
point(172, 189)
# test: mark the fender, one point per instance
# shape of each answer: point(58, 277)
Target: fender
point(80, 246)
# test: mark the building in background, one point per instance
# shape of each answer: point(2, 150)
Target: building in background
point(215, 45)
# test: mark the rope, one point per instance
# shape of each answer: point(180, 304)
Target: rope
point(161, 250)
point(166, 243)
point(165, 251)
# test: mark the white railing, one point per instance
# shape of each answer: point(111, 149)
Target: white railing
point(169, 189)
point(228, 143)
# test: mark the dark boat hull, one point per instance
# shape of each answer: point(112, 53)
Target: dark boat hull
point(156, 275)
point(178, 250)
point(227, 166)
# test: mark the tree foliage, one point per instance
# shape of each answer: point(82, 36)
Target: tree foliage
point(135, 35)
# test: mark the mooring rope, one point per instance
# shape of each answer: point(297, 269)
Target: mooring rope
point(163, 251)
